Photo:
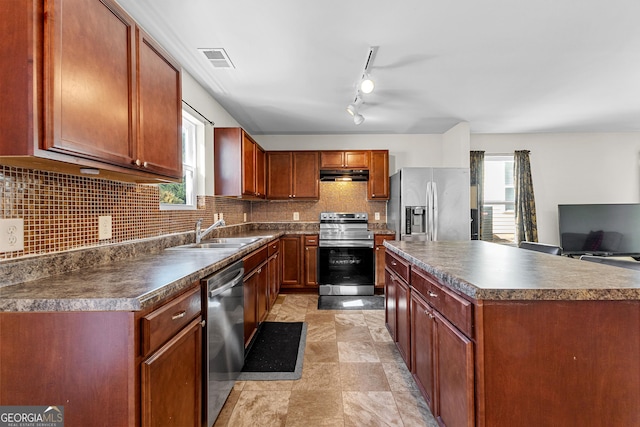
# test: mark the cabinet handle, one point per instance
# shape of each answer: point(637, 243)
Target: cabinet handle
point(259, 270)
point(138, 162)
point(431, 316)
point(203, 323)
point(431, 294)
point(393, 263)
point(179, 315)
point(145, 164)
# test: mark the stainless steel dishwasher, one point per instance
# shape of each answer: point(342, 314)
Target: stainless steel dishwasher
point(224, 347)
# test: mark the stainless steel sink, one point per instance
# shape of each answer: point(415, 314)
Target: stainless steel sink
point(220, 243)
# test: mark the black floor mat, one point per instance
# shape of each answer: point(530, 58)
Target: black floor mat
point(276, 353)
point(335, 302)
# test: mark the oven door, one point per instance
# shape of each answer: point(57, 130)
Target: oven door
point(346, 269)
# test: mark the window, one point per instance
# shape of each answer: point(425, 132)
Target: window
point(182, 195)
point(498, 213)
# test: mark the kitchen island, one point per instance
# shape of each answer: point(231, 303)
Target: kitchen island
point(500, 336)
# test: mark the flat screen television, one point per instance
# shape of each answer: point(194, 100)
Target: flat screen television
point(600, 229)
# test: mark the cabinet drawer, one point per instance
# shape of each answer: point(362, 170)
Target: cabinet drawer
point(455, 308)
point(162, 324)
point(398, 265)
point(311, 240)
point(254, 259)
point(273, 247)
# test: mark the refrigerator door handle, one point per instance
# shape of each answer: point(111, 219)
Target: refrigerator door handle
point(429, 207)
point(434, 196)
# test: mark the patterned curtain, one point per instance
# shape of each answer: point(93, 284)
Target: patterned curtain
point(526, 224)
point(477, 179)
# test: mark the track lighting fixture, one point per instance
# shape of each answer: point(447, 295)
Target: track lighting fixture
point(365, 86)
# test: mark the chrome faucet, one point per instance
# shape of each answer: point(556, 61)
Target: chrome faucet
point(201, 234)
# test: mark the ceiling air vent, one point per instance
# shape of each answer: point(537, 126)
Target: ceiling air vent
point(217, 57)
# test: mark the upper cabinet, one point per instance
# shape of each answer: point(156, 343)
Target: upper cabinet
point(85, 87)
point(344, 160)
point(293, 175)
point(239, 164)
point(378, 184)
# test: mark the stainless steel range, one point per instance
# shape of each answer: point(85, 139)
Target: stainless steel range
point(346, 261)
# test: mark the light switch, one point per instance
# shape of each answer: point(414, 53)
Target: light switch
point(377, 216)
point(104, 227)
point(11, 235)
point(296, 216)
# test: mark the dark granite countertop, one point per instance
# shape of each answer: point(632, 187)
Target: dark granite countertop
point(490, 271)
point(130, 284)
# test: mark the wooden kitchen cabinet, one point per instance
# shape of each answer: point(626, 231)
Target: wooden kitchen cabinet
point(101, 96)
point(422, 344)
point(171, 374)
point(119, 368)
point(397, 276)
point(293, 175)
point(344, 160)
point(256, 291)
point(378, 184)
point(274, 271)
point(239, 164)
point(311, 260)
point(379, 250)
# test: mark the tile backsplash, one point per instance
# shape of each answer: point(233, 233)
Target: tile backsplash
point(61, 211)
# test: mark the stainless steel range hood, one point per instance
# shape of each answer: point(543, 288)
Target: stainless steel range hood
point(344, 175)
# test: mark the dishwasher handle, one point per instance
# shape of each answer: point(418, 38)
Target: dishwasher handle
point(233, 282)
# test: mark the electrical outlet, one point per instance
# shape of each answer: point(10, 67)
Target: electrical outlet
point(104, 227)
point(11, 235)
point(221, 216)
point(244, 215)
point(215, 217)
point(377, 216)
point(296, 216)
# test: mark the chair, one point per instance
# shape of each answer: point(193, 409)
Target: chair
point(541, 247)
point(616, 262)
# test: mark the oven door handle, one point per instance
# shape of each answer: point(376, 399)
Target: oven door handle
point(345, 243)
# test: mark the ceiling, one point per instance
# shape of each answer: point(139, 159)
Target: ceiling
point(503, 66)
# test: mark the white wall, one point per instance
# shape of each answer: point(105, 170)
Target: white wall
point(404, 150)
point(573, 168)
point(200, 99)
point(455, 146)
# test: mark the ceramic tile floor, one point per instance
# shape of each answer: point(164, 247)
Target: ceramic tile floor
point(352, 375)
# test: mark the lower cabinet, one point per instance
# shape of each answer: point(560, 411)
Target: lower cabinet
point(171, 381)
point(427, 322)
point(107, 368)
point(379, 253)
point(273, 268)
point(299, 261)
point(256, 292)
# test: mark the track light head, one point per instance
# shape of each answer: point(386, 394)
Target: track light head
point(366, 84)
point(354, 106)
point(358, 119)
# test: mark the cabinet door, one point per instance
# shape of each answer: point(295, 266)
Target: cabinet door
point(311, 266)
point(250, 287)
point(171, 381)
point(378, 184)
point(390, 302)
point(248, 166)
point(279, 175)
point(306, 175)
point(90, 95)
point(261, 187)
point(422, 347)
point(263, 292)
point(454, 401)
point(331, 159)
point(356, 159)
point(291, 260)
point(403, 325)
point(159, 147)
point(274, 278)
point(380, 258)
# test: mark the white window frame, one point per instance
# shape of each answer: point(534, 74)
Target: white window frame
point(193, 131)
point(508, 209)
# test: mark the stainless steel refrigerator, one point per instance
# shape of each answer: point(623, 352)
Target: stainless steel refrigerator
point(430, 204)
